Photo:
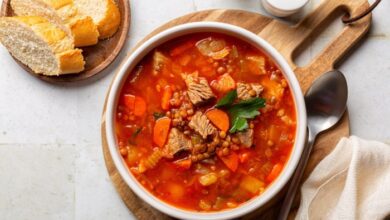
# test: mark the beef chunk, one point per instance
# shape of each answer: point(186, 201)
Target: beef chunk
point(177, 142)
point(201, 124)
point(243, 90)
point(246, 137)
point(199, 90)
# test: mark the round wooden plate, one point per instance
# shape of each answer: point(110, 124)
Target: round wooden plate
point(97, 57)
point(286, 40)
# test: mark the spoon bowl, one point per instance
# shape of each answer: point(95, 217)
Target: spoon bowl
point(326, 101)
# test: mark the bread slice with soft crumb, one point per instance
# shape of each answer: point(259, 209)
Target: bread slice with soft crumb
point(64, 14)
point(105, 14)
point(39, 44)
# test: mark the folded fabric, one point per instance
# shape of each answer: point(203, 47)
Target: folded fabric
point(352, 182)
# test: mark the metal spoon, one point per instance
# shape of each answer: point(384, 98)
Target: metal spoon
point(326, 101)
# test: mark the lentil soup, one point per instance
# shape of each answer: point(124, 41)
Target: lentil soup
point(206, 122)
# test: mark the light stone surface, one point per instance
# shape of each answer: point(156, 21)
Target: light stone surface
point(51, 164)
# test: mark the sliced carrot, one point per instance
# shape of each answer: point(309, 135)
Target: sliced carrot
point(161, 130)
point(231, 160)
point(167, 95)
point(182, 48)
point(224, 83)
point(274, 172)
point(183, 164)
point(139, 106)
point(219, 118)
point(129, 101)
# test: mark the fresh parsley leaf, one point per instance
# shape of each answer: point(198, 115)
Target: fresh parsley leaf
point(240, 112)
point(158, 115)
point(239, 124)
point(227, 100)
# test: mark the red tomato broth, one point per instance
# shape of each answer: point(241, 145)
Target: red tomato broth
point(274, 132)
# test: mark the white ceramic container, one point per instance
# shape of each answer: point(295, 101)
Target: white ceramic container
point(283, 8)
point(169, 34)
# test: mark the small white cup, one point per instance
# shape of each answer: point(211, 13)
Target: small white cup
point(283, 8)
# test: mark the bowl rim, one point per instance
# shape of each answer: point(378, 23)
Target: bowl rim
point(174, 32)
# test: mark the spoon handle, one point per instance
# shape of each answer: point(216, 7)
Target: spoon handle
point(296, 179)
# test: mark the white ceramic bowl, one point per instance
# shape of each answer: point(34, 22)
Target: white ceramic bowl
point(170, 34)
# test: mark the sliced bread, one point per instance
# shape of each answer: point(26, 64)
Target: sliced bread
point(41, 45)
point(105, 14)
point(64, 14)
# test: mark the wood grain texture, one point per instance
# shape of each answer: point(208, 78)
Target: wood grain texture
point(97, 57)
point(287, 40)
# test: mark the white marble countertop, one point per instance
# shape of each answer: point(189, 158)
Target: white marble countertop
point(51, 162)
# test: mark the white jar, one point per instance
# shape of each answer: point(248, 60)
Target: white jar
point(283, 8)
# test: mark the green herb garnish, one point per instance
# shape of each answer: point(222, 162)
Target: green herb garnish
point(241, 111)
point(158, 115)
point(134, 135)
point(227, 100)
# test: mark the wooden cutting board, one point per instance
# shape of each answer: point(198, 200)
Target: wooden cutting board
point(287, 40)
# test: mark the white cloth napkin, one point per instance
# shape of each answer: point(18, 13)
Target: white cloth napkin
point(352, 182)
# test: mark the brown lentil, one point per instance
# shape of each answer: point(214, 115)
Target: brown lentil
point(221, 70)
point(236, 140)
point(252, 93)
point(222, 134)
point(225, 151)
point(123, 151)
point(183, 113)
point(190, 111)
point(225, 144)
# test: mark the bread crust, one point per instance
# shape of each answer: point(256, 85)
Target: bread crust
point(71, 61)
point(64, 14)
point(109, 25)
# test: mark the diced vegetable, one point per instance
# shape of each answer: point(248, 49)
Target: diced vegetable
point(185, 60)
point(182, 48)
point(276, 169)
point(176, 191)
point(251, 184)
point(139, 106)
point(208, 179)
point(129, 101)
point(219, 118)
point(183, 164)
point(274, 133)
point(167, 95)
point(231, 160)
point(272, 89)
point(161, 131)
point(204, 205)
point(214, 48)
point(231, 204)
point(132, 155)
point(159, 62)
point(224, 83)
point(256, 65)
